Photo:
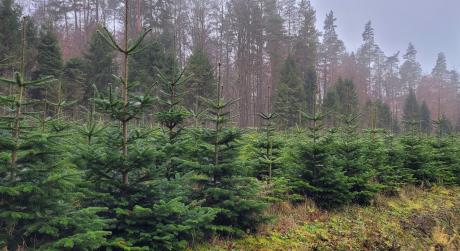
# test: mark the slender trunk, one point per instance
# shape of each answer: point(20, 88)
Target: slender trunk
point(97, 11)
point(217, 126)
point(17, 116)
point(125, 91)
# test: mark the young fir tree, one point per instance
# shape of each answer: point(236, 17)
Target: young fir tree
point(382, 160)
point(40, 189)
point(172, 117)
point(444, 164)
point(314, 174)
point(349, 156)
point(225, 186)
point(382, 156)
point(415, 156)
point(268, 147)
point(290, 97)
point(126, 170)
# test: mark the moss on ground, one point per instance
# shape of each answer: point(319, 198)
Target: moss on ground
point(416, 220)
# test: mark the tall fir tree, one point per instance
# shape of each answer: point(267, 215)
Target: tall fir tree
point(347, 97)
point(410, 70)
point(201, 81)
point(274, 28)
point(340, 101)
point(367, 56)
point(307, 41)
point(378, 112)
point(49, 59)
point(331, 50)
point(440, 71)
point(411, 116)
point(74, 81)
point(329, 107)
point(290, 97)
point(154, 59)
point(49, 62)
point(9, 35)
point(99, 65)
point(425, 119)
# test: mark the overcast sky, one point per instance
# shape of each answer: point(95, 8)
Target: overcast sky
point(433, 26)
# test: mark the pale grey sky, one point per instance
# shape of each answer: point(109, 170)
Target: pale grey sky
point(433, 26)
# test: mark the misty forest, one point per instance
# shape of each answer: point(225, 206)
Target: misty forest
point(219, 125)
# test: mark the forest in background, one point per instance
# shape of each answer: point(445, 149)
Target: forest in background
point(266, 48)
point(127, 148)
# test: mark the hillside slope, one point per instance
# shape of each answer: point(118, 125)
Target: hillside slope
point(416, 220)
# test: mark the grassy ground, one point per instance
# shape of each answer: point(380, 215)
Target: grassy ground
point(416, 220)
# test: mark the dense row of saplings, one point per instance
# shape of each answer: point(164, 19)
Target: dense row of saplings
point(89, 185)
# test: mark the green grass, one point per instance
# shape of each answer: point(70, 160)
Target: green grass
point(416, 220)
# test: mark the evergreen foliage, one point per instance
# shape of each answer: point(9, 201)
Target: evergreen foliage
point(425, 119)
point(314, 174)
point(49, 60)
point(10, 36)
point(290, 97)
point(224, 185)
point(172, 118)
point(381, 113)
point(349, 156)
point(415, 158)
point(98, 65)
point(411, 116)
point(340, 101)
point(40, 191)
point(444, 165)
point(74, 80)
point(128, 169)
point(201, 81)
point(153, 59)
